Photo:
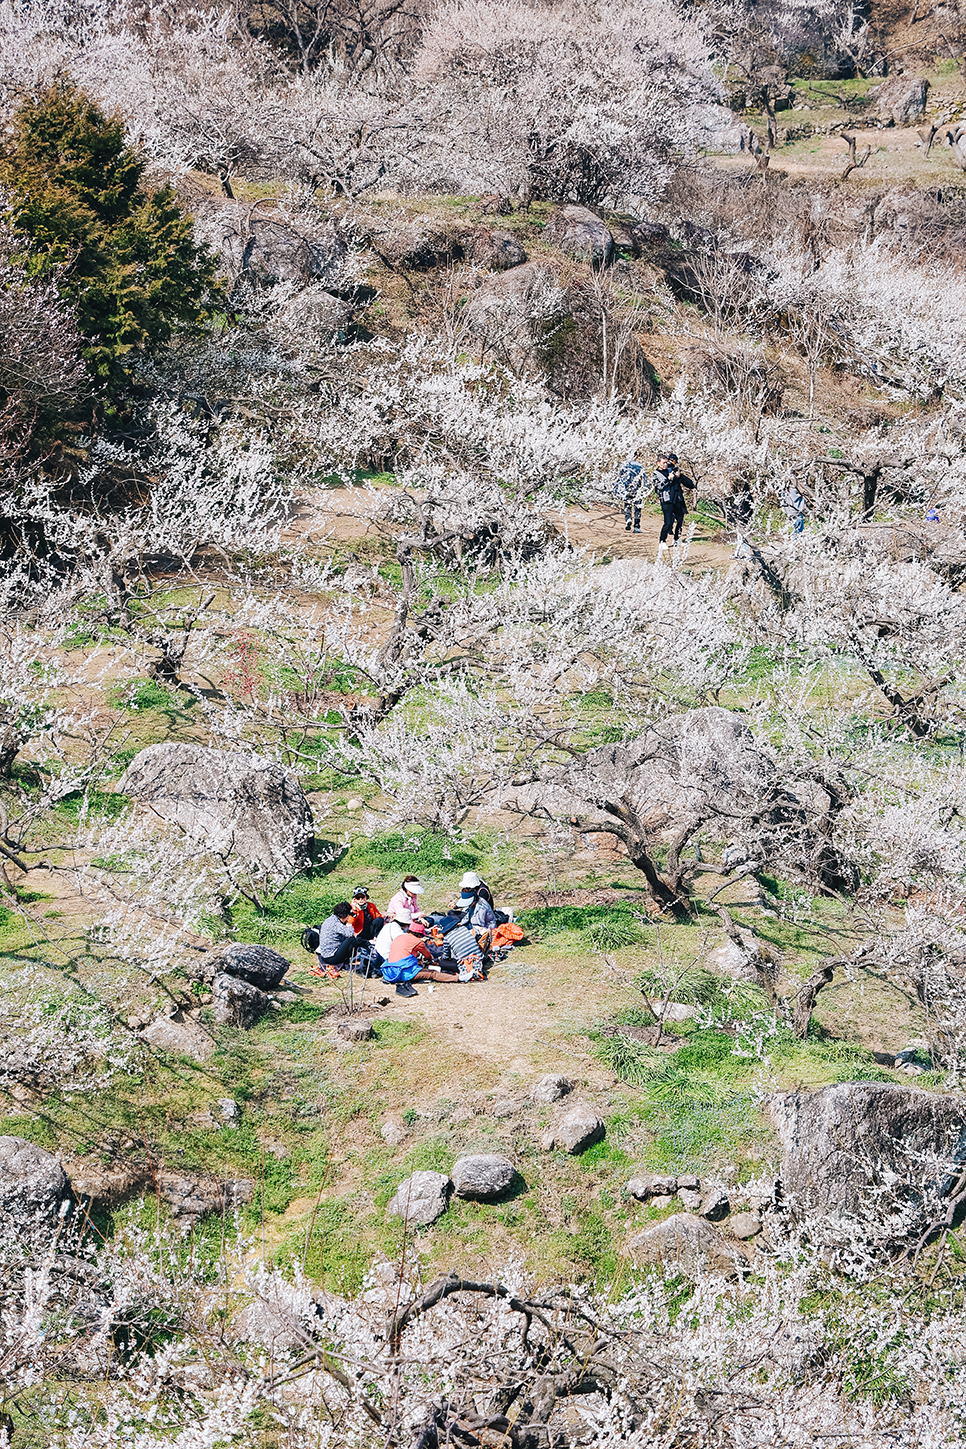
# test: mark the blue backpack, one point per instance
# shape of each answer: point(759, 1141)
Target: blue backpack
point(627, 478)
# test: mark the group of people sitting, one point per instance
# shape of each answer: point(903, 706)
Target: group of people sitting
point(404, 944)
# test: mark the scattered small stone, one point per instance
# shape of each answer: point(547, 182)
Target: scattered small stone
point(663, 1200)
point(715, 1204)
point(550, 1089)
point(546, 1141)
point(689, 1182)
point(354, 804)
point(392, 1132)
point(287, 998)
point(483, 1177)
point(744, 1225)
point(691, 1198)
point(648, 1185)
point(229, 1109)
point(578, 1129)
point(355, 1030)
point(461, 1115)
point(421, 1198)
point(505, 1108)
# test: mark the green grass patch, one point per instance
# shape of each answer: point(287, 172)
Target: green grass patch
point(143, 694)
point(412, 852)
point(399, 1033)
point(595, 922)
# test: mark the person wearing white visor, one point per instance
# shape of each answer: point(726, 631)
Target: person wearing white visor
point(406, 899)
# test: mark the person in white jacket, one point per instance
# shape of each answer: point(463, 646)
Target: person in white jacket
point(399, 924)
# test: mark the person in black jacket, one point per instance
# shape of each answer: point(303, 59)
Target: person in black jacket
point(669, 485)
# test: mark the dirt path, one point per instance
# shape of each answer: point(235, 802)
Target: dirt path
point(339, 515)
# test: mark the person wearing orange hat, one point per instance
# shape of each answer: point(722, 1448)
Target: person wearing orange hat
point(407, 962)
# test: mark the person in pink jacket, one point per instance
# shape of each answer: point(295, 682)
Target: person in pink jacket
point(406, 898)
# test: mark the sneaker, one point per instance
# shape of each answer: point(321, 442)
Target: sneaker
point(405, 989)
point(627, 528)
point(332, 973)
point(637, 530)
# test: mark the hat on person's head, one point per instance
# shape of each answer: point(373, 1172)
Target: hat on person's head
point(671, 457)
point(470, 881)
point(403, 917)
point(414, 888)
point(360, 891)
point(417, 929)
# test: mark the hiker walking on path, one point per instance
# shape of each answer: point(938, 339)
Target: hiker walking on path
point(669, 485)
point(630, 486)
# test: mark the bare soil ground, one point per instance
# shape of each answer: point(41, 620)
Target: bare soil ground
point(340, 515)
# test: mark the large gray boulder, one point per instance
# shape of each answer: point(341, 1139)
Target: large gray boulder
point(236, 1002)
point(278, 252)
point(258, 965)
point(511, 313)
point(686, 1244)
point(874, 1155)
point(419, 245)
point(267, 250)
point(421, 1198)
point(703, 762)
point(484, 1177)
point(231, 802)
point(496, 250)
point(33, 1185)
point(901, 99)
point(581, 234)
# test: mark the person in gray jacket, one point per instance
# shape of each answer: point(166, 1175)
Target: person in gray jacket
point(338, 941)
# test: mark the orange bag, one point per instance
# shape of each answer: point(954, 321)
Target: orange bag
point(506, 935)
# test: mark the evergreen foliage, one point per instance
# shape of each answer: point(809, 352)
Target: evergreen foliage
point(125, 255)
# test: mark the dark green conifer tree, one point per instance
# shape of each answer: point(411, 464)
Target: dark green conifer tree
point(130, 265)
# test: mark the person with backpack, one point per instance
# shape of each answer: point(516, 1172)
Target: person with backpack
point(629, 488)
point(793, 507)
point(475, 904)
point(337, 941)
point(471, 882)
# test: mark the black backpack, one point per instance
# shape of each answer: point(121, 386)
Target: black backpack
point(310, 939)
